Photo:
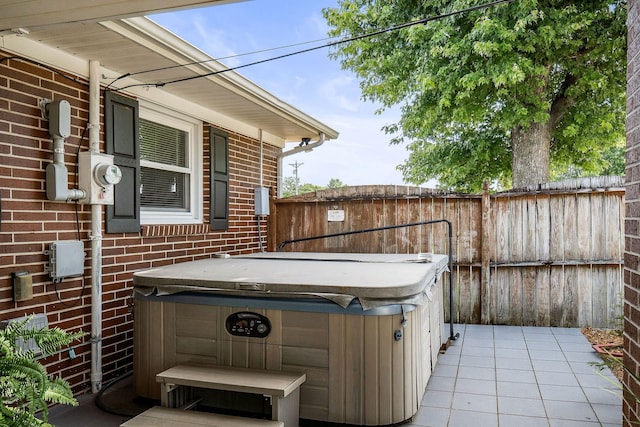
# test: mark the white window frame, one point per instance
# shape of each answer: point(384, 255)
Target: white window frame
point(194, 129)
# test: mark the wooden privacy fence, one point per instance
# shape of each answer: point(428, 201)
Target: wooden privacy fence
point(549, 256)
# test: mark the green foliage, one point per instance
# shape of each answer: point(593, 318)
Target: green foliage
point(466, 82)
point(292, 187)
point(25, 386)
point(336, 183)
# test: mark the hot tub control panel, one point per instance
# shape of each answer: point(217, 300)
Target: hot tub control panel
point(248, 324)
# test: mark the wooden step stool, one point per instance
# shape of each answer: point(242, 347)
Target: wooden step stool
point(283, 388)
point(169, 417)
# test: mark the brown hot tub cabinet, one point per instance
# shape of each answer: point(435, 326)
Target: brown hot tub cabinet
point(365, 328)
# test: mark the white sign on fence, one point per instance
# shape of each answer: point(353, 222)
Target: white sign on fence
point(335, 215)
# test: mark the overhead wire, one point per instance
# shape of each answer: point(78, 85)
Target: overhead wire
point(222, 58)
point(298, 52)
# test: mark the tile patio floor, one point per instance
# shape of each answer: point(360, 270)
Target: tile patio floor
point(492, 376)
point(520, 376)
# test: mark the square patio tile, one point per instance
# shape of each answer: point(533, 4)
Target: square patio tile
point(604, 396)
point(581, 356)
point(553, 422)
point(515, 375)
point(478, 342)
point(471, 418)
point(597, 380)
point(441, 383)
point(437, 398)
point(608, 413)
point(522, 421)
point(573, 338)
point(556, 378)
point(522, 390)
point(512, 353)
point(467, 385)
point(448, 359)
point(475, 402)
point(450, 371)
point(516, 344)
point(476, 373)
point(583, 368)
point(551, 365)
point(541, 339)
point(477, 361)
point(520, 406)
point(561, 392)
point(477, 351)
point(431, 417)
point(512, 363)
point(566, 332)
point(536, 354)
point(528, 330)
point(577, 411)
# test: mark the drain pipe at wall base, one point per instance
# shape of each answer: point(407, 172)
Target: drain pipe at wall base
point(308, 147)
point(95, 235)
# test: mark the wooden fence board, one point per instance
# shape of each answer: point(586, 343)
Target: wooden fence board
point(585, 295)
point(529, 296)
point(556, 235)
point(614, 296)
point(584, 226)
point(556, 296)
point(570, 315)
point(516, 296)
point(514, 229)
point(614, 226)
point(543, 293)
point(529, 229)
point(600, 298)
point(548, 257)
point(599, 214)
point(570, 235)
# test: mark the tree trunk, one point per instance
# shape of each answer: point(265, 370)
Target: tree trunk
point(530, 155)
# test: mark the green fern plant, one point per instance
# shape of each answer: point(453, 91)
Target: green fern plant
point(26, 389)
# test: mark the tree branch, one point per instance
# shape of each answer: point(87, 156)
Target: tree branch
point(562, 102)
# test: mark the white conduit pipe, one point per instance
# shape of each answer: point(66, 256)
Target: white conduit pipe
point(259, 217)
point(95, 235)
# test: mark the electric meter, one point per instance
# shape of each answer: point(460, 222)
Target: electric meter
point(106, 174)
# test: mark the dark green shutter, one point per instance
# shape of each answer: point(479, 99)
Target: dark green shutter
point(219, 209)
point(121, 134)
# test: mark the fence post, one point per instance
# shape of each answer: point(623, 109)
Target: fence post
point(485, 255)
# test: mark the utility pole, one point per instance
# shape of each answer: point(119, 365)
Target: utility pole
point(295, 166)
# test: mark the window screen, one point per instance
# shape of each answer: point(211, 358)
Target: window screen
point(165, 174)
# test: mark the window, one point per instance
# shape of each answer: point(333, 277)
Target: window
point(170, 167)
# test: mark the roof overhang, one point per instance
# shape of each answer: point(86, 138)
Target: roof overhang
point(33, 14)
point(127, 48)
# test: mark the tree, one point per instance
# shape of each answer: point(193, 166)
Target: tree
point(291, 186)
point(508, 93)
point(335, 183)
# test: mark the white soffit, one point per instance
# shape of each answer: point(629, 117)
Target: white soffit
point(32, 14)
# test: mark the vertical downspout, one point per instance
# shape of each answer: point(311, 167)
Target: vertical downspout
point(259, 217)
point(261, 157)
point(95, 235)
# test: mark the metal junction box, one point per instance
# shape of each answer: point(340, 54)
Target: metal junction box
point(66, 259)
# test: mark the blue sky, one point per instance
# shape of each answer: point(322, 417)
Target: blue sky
point(311, 82)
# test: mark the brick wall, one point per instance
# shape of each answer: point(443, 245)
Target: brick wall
point(30, 222)
point(631, 408)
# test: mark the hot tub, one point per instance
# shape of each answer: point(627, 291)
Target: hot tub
point(365, 328)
